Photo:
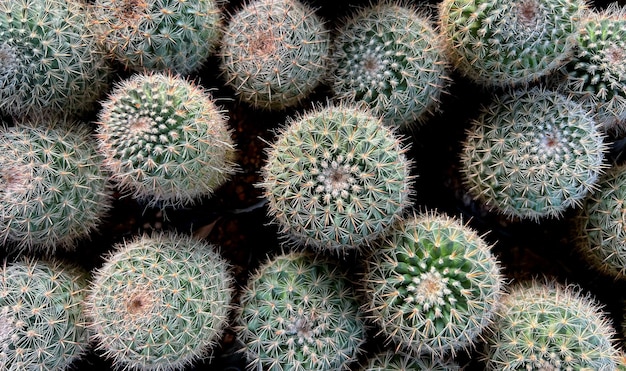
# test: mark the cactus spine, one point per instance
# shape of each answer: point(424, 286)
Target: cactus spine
point(400, 361)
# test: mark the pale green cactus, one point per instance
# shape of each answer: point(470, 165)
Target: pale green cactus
point(400, 361)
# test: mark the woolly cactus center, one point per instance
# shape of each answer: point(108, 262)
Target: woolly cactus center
point(430, 290)
point(8, 61)
point(139, 303)
point(15, 179)
point(527, 12)
point(131, 9)
point(336, 178)
point(138, 125)
point(263, 44)
point(615, 55)
point(304, 329)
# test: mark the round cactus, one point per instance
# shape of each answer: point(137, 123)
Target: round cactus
point(390, 57)
point(533, 154)
point(399, 361)
point(165, 140)
point(506, 42)
point(433, 285)
point(275, 53)
point(49, 59)
point(299, 312)
point(158, 35)
point(336, 179)
point(160, 302)
point(53, 189)
point(543, 325)
point(597, 74)
point(42, 325)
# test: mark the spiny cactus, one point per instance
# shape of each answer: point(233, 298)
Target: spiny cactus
point(299, 312)
point(544, 325)
point(275, 53)
point(158, 35)
point(432, 285)
point(532, 154)
point(507, 42)
point(42, 326)
point(159, 302)
point(53, 190)
point(400, 361)
point(49, 59)
point(165, 140)
point(390, 57)
point(336, 179)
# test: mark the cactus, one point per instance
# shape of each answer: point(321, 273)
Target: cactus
point(533, 154)
point(53, 189)
point(432, 285)
point(165, 140)
point(159, 302)
point(400, 361)
point(42, 325)
point(49, 59)
point(158, 35)
point(510, 42)
point(390, 57)
point(544, 325)
point(299, 312)
point(275, 53)
point(336, 179)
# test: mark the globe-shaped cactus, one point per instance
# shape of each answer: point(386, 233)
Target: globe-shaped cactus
point(533, 154)
point(165, 140)
point(336, 179)
point(390, 57)
point(300, 312)
point(400, 361)
point(159, 302)
point(432, 285)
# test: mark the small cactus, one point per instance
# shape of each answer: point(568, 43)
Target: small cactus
point(510, 42)
point(53, 190)
point(158, 35)
point(432, 285)
point(165, 140)
point(336, 179)
point(300, 312)
point(400, 361)
point(390, 57)
point(544, 325)
point(533, 154)
point(49, 60)
point(160, 302)
point(42, 325)
point(275, 53)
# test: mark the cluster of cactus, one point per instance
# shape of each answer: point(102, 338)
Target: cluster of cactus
point(400, 361)
point(165, 140)
point(159, 302)
point(300, 312)
point(336, 178)
point(53, 188)
point(158, 35)
point(49, 60)
point(390, 57)
point(275, 53)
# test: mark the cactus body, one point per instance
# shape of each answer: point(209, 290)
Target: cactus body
point(399, 361)
point(509, 42)
point(299, 312)
point(432, 285)
point(336, 179)
point(533, 154)
point(54, 190)
point(160, 302)
point(49, 60)
point(158, 35)
point(391, 58)
point(165, 140)
point(275, 53)
point(42, 325)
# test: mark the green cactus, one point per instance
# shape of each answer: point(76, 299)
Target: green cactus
point(533, 154)
point(299, 312)
point(53, 190)
point(544, 325)
point(275, 53)
point(159, 302)
point(42, 325)
point(390, 57)
point(336, 179)
point(400, 361)
point(432, 285)
point(165, 140)
point(508, 42)
point(49, 59)
point(158, 35)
